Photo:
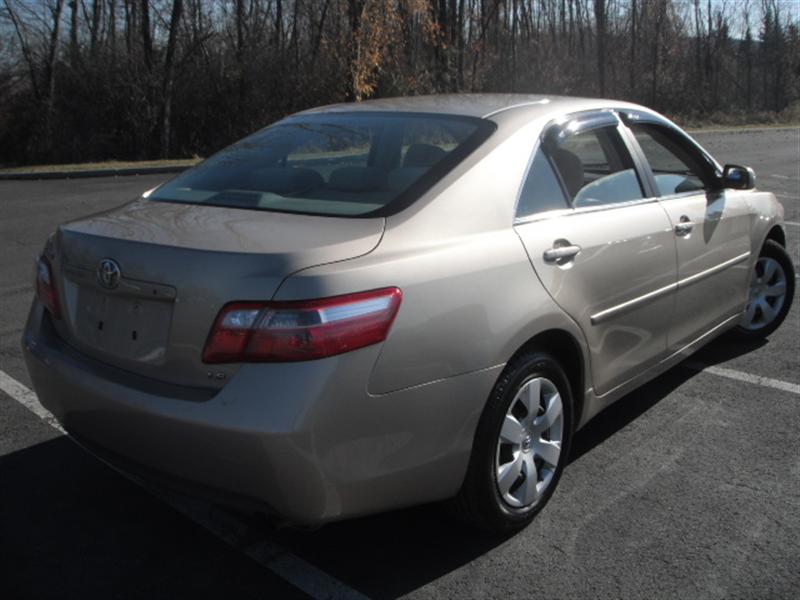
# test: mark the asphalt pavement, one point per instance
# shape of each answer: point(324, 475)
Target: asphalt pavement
point(688, 487)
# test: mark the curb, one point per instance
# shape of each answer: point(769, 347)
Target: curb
point(93, 173)
point(743, 129)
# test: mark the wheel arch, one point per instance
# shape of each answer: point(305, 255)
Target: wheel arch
point(777, 234)
point(567, 351)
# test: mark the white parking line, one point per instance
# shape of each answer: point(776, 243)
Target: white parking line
point(227, 527)
point(777, 384)
point(28, 399)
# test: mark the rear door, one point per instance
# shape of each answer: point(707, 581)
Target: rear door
point(711, 228)
point(601, 246)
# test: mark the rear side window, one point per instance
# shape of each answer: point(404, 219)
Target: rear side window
point(541, 191)
point(336, 164)
point(596, 168)
point(675, 166)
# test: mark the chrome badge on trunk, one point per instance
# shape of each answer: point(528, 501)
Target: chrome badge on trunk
point(108, 273)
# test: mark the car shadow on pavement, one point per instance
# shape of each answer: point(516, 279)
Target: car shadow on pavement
point(633, 405)
point(724, 349)
point(71, 527)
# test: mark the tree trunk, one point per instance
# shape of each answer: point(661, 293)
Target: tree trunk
point(73, 33)
point(112, 30)
point(656, 45)
point(279, 24)
point(634, 74)
point(50, 76)
point(355, 10)
point(169, 76)
point(460, 43)
point(600, 18)
point(26, 50)
point(94, 29)
point(147, 42)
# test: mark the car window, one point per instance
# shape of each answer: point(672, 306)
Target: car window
point(541, 191)
point(596, 168)
point(337, 164)
point(324, 150)
point(428, 141)
point(675, 167)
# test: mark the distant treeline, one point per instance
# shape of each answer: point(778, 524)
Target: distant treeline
point(130, 79)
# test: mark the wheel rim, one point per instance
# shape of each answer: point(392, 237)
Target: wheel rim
point(767, 294)
point(529, 444)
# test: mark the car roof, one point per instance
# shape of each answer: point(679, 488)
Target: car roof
point(472, 105)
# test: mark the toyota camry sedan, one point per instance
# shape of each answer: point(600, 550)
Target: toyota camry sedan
point(375, 305)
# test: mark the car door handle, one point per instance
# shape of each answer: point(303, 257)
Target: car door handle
point(684, 227)
point(561, 254)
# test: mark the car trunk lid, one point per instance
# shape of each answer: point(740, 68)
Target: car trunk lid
point(178, 265)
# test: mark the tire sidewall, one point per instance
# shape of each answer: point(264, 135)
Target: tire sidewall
point(775, 251)
point(518, 372)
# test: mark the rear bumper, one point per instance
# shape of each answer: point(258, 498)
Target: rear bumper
point(304, 441)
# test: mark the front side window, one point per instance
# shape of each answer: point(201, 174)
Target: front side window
point(333, 164)
point(675, 165)
point(596, 168)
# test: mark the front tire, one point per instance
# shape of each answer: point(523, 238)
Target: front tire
point(770, 294)
point(521, 445)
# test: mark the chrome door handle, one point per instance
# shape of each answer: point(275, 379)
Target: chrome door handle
point(561, 254)
point(684, 227)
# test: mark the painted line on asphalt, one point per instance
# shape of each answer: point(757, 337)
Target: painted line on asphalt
point(793, 223)
point(227, 527)
point(777, 384)
point(28, 399)
point(11, 290)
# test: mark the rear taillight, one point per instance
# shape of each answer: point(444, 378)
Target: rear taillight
point(303, 330)
point(46, 286)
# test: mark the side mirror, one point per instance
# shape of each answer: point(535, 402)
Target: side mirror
point(738, 178)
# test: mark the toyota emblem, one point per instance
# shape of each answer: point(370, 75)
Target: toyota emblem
point(108, 273)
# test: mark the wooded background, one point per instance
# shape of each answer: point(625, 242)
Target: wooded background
point(130, 79)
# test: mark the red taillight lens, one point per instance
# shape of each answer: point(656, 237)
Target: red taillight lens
point(46, 286)
point(304, 330)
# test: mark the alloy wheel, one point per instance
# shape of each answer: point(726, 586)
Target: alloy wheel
point(767, 294)
point(529, 444)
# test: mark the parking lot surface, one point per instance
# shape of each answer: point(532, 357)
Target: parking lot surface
point(688, 487)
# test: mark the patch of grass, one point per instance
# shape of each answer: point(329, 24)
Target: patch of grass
point(787, 118)
point(713, 127)
point(100, 166)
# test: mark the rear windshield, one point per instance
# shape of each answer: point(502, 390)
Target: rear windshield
point(337, 164)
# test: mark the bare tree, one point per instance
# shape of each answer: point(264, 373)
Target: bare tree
point(143, 78)
point(169, 76)
point(600, 21)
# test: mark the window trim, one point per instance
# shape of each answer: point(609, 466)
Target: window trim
point(574, 212)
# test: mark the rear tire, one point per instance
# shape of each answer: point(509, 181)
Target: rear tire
point(770, 294)
point(521, 445)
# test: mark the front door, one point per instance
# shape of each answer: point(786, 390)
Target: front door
point(604, 252)
point(711, 228)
